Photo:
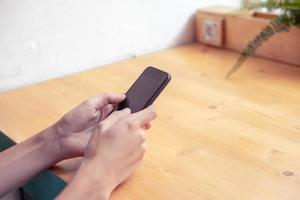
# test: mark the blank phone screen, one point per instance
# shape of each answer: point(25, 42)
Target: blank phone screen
point(142, 91)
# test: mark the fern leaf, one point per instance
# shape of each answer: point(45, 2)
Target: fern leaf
point(279, 24)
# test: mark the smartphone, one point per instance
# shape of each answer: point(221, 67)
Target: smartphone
point(145, 89)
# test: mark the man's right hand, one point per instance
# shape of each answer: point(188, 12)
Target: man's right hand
point(114, 151)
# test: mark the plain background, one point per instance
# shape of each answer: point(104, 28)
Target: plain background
point(43, 39)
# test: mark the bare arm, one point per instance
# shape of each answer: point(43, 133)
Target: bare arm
point(20, 162)
point(67, 138)
point(115, 150)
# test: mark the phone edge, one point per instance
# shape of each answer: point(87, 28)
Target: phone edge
point(158, 92)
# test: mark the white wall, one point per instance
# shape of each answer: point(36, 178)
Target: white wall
point(42, 39)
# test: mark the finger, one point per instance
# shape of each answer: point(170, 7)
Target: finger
point(108, 98)
point(116, 116)
point(144, 116)
point(106, 110)
point(140, 136)
point(147, 126)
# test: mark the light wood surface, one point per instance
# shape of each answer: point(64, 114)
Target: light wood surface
point(214, 139)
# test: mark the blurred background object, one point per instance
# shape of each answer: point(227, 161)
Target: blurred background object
point(284, 14)
point(46, 39)
point(254, 30)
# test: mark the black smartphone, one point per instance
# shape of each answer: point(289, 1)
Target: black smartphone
point(145, 89)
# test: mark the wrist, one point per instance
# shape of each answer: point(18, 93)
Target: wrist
point(51, 144)
point(97, 181)
point(87, 184)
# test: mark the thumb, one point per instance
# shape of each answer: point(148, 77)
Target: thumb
point(114, 118)
point(98, 102)
point(144, 116)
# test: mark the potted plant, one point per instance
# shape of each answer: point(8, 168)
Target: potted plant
point(289, 17)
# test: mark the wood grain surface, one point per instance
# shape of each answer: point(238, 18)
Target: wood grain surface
point(214, 139)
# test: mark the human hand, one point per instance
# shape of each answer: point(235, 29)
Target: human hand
point(69, 136)
point(113, 153)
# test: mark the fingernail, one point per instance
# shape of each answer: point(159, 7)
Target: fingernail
point(126, 110)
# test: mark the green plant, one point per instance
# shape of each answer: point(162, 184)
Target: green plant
point(290, 17)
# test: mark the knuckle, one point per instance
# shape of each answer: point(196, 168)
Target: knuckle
point(131, 124)
point(142, 138)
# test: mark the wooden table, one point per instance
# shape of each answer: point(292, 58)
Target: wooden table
point(213, 139)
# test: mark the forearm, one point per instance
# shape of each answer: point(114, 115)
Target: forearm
point(87, 184)
point(21, 162)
